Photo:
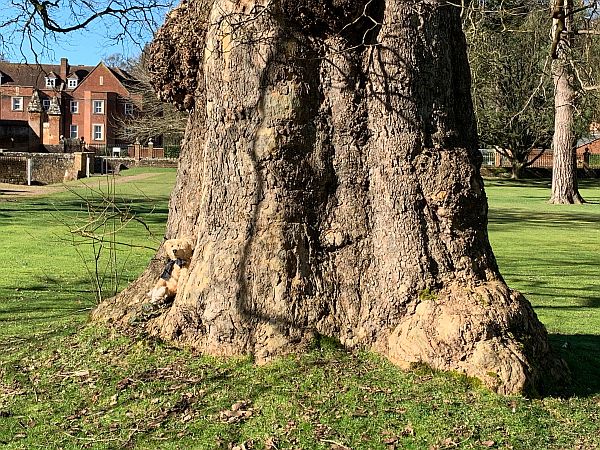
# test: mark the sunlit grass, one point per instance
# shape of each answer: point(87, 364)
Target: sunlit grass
point(65, 384)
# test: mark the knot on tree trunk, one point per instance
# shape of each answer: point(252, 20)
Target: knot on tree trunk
point(486, 331)
point(176, 54)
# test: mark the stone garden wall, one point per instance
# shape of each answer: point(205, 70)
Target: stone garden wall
point(46, 168)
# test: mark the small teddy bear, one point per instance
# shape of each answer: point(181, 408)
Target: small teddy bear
point(179, 252)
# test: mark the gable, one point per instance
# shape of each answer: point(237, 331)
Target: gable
point(101, 79)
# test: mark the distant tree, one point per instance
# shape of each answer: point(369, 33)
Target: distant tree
point(120, 61)
point(513, 83)
point(575, 53)
point(564, 173)
point(152, 118)
point(512, 92)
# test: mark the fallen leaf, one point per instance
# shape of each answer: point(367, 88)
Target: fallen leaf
point(243, 446)
point(408, 430)
point(271, 443)
point(449, 442)
point(123, 383)
point(488, 443)
point(333, 445)
point(239, 411)
point(81, 373)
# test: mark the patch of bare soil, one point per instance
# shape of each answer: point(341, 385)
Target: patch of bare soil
point(11, 192)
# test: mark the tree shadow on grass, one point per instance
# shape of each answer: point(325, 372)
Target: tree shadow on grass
point(139, 206)
point(525, 183)
point(579, 218)
point(582, 354)
point(33, 313)
point(541, 183)
point(552, 296)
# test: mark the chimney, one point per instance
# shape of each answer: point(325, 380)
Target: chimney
point(64, 69)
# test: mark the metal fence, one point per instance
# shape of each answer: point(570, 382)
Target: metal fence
point(493, 158)
point(135, 151)
point(6, 159)
point(489, 157)
point(98, 149)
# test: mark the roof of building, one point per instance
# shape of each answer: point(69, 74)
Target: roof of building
point(587, 140)
point(18, 74)
point(124, 77)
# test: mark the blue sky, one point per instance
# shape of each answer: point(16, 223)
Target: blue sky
point(82, 47)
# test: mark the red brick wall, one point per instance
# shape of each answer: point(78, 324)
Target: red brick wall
point(100, 84)
point(594, 148)
point(6, 95)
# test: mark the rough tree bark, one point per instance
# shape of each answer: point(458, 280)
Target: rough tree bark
point(564, 161)
point(331, 178)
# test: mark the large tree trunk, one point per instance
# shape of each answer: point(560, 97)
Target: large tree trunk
point(331, 179)
point(564, 163)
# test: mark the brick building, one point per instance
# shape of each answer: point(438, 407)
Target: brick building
point(42, 104)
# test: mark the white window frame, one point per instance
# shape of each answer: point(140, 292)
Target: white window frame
point(45, 104)
point(99, 110)
point(74, 107)
point(100, 127)
point(128, 109)
point(16, 103)
point(73, 127)
point(101, 80)
point(72, 83)
point(50, 82)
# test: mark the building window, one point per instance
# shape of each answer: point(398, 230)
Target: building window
point(101, 80)
point(74, 107)
point(72, 83)
point(98, 133)
point(73, 132)
point(98, 107)
point(17, 103)
point(50, 82)
point(46, 104)
point(129, 109)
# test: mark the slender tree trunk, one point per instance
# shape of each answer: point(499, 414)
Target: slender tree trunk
point(331, 179)
point(517, 170)
point(564, 164)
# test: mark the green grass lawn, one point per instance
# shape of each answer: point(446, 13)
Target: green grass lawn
point(67, 384)
point(551, 253)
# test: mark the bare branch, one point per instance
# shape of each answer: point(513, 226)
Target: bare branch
point(33, 25)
